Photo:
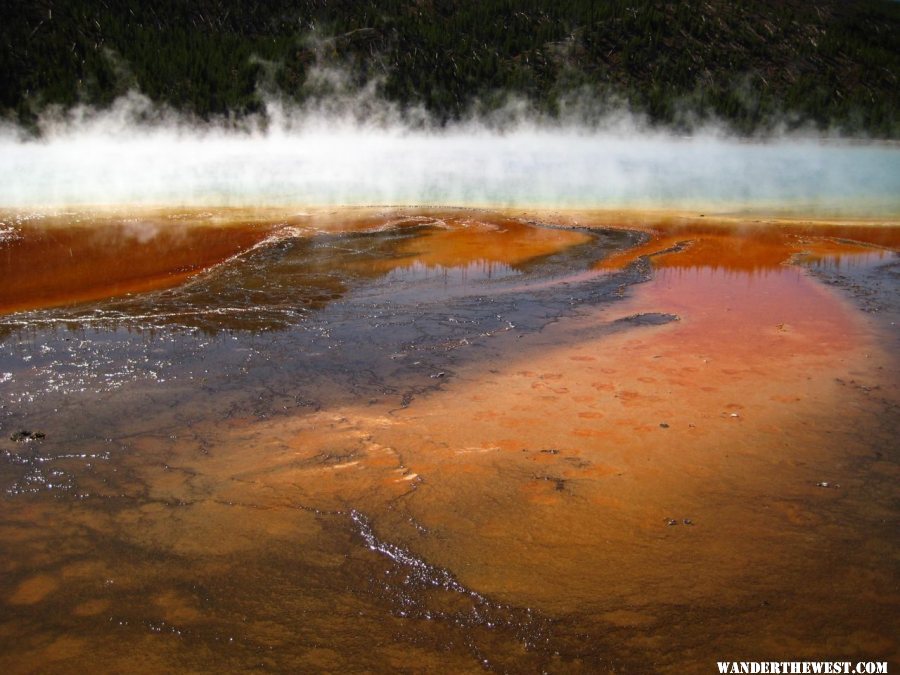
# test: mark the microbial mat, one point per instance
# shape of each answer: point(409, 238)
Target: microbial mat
point(445, 440)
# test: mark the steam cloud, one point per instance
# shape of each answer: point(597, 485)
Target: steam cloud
point(134, 153)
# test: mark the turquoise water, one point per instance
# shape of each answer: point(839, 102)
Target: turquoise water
point(526, 167)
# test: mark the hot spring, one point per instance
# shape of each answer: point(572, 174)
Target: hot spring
point(337, 397)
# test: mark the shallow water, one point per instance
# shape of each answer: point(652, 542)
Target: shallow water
point(446, 440)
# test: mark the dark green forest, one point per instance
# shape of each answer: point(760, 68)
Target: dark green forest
point(752, 64)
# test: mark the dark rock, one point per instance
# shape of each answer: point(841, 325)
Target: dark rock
point(25, 436)
point(647, 319)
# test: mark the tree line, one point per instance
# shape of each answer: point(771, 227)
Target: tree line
point(751, 64)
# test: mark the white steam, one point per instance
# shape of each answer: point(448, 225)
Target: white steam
point(134, 153)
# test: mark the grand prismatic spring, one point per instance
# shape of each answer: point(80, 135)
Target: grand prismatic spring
point(564, 403)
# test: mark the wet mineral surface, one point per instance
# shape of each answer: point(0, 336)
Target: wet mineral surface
point(445, 440)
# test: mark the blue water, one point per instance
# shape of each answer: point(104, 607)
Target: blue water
point(530, 166)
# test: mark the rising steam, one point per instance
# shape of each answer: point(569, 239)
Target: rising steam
point(354, 151)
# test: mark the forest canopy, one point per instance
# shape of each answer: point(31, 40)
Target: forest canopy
point(752, 65)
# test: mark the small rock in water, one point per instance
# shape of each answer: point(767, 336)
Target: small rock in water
point(550, 451)
point(663, 425)
point(826, 484)
point(25, 436)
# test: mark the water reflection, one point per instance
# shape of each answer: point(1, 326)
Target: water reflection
point(477, 270)
point(856, 260)
point(257, 275)
point(375, 444)
point(361, 307)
